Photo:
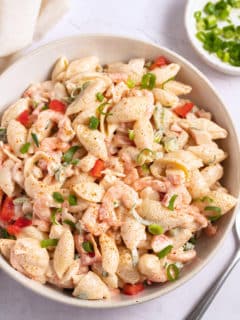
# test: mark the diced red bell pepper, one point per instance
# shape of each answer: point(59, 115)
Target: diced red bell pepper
point(7, 210)
point(159, 62)
point(22, 222)
point(132, 289)
point(182, 111)
point(13, 230)
point(24, 118)
point(57, 105)
point(98, 167)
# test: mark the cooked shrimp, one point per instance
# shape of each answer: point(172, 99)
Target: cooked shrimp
point(90, 223)
point(118, 192)
point(156, 185)
point(41, 207)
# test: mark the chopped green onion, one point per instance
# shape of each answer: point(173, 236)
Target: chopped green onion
point(3, 135)
point(143, 155)
point(35, 139)
point(148, 81)
point(48, 243)
point(131, 135)
point(85, 85)
point(158, 136)
point(172, 201)
point(193, 240)
point(209, 8)
point(69, 222)
point(155, 229)
point(215, 209)
point(72, 200)
point(93, 123)
point(164, 252)
point(100, 96)
point(75, 161)
point(58, 197)
point(25, 148)
point(229, 31)
point(45, 107)
point(53, 216)
point(101, 107)
point(206, 198)
point(197, 15)
point(145, 168)
point(201, 36)
point(67, 157)
point(4, 234)
point(130, 83)
point(172, 272)
point(211, 22)
point(87, 246)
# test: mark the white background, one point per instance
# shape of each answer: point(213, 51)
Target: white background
point(159, 21)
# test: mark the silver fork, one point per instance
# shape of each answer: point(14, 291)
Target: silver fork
point(202, 306)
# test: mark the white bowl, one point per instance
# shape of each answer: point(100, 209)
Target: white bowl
point(190, 25)
point(36, 67)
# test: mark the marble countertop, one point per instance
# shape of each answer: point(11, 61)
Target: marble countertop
point(161, 22)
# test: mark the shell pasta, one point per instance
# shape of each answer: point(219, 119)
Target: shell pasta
point(108, 176)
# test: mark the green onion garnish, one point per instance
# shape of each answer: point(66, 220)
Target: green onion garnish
point(4, 234)
point(53, 216)
point(145, 168)
point(72, 200)
point(69, 222)
point(48, 243)
point(148, 81)
point(100, 97)
point(171, 202)
point(67, 157)
point(58, 197)
point(130, 83)
point(172, 272)
point(164, 252)
point(45, 107)
point(75, 161)
point(25, 148)
point(206, 198)
point(35, 139)
point(215, 209)
point(87, 246)
point(193, 240)
point(93, 123)
point(143, 154)
point(155, 229)
point(131, 135)
point(101, 107)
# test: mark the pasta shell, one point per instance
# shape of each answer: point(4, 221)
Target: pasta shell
point(17, 136)
point(177, 88)
point(132, 232)
point(6, 246)
point(110, 255)
point(150, 266)
point(6, 181)
point(222, 200)
point(64, 253)
point(143, 134)
point(166, 98)
point(212, 174)
point(14, 111)
point(91, 287)
point(81, 65)
point(208, 153)
point(164, 74)
point(197, 185)
point(126, 271)
point(89, 191)
point(60, 67)
point(93, 141)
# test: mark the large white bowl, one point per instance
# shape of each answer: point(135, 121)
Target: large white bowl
point(36, 67)
point(190, 25)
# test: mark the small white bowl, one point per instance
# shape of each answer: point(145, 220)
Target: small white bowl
point(190, 25)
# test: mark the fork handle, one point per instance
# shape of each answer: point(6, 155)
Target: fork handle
point(201, 307)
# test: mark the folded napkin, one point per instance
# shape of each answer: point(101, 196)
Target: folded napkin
point(24, 21)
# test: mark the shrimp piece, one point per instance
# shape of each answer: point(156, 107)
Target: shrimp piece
point(149, 193)
point(150, 266)
point(86, 258)
point(182, 256)
point(41, 207)
point(156, 185)
point(29, 258)
point(176, 177)
point(44, 123)
point(160, 242)
point(118, 192)
point(90, 223)
point(53, 143)
point(131, 176)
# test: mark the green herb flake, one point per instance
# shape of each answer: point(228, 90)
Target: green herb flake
point(172, 272)
point(24, 149)
point(100, 96)
point(87, 246)
point(101, 107)
point(172, 201)
point(130, 83)
point(155, 229)
point(72, 200)
point(48, 243)
point(58, 197)
point(131, 134)
point(70, 223)
point(93, 123)
point(67, 157)
point(148, 81)
point(35, 139)
point(164, 252)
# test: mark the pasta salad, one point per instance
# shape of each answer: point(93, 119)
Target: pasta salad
point(108, 177)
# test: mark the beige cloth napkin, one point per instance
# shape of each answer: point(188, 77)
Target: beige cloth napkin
point(24, 21)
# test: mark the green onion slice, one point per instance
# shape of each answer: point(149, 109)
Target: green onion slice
point(172, 272)
point(53, 216)
point(75, 161)
point(45, 107)
point(131, 135)
point(215, 209)
point(130, 83)
point(24, 149)
point(172, 201)
point(101, 107)
point(155, 229)
point(143, 155)
point(87, 246)
point(206, 198)
point(164, 252)
point(48, 243)
point(67, 157)
point(72, 200)
point(100, 96)
point(58, 197)
point(145, 168)
point(69, 222)
point(93, 123)
point(35, 139)
point(148, 81)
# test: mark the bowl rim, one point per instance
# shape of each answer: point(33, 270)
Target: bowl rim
point(217, 65)
point(30, 284)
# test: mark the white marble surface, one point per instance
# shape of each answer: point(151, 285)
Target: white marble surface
point(159, 21)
